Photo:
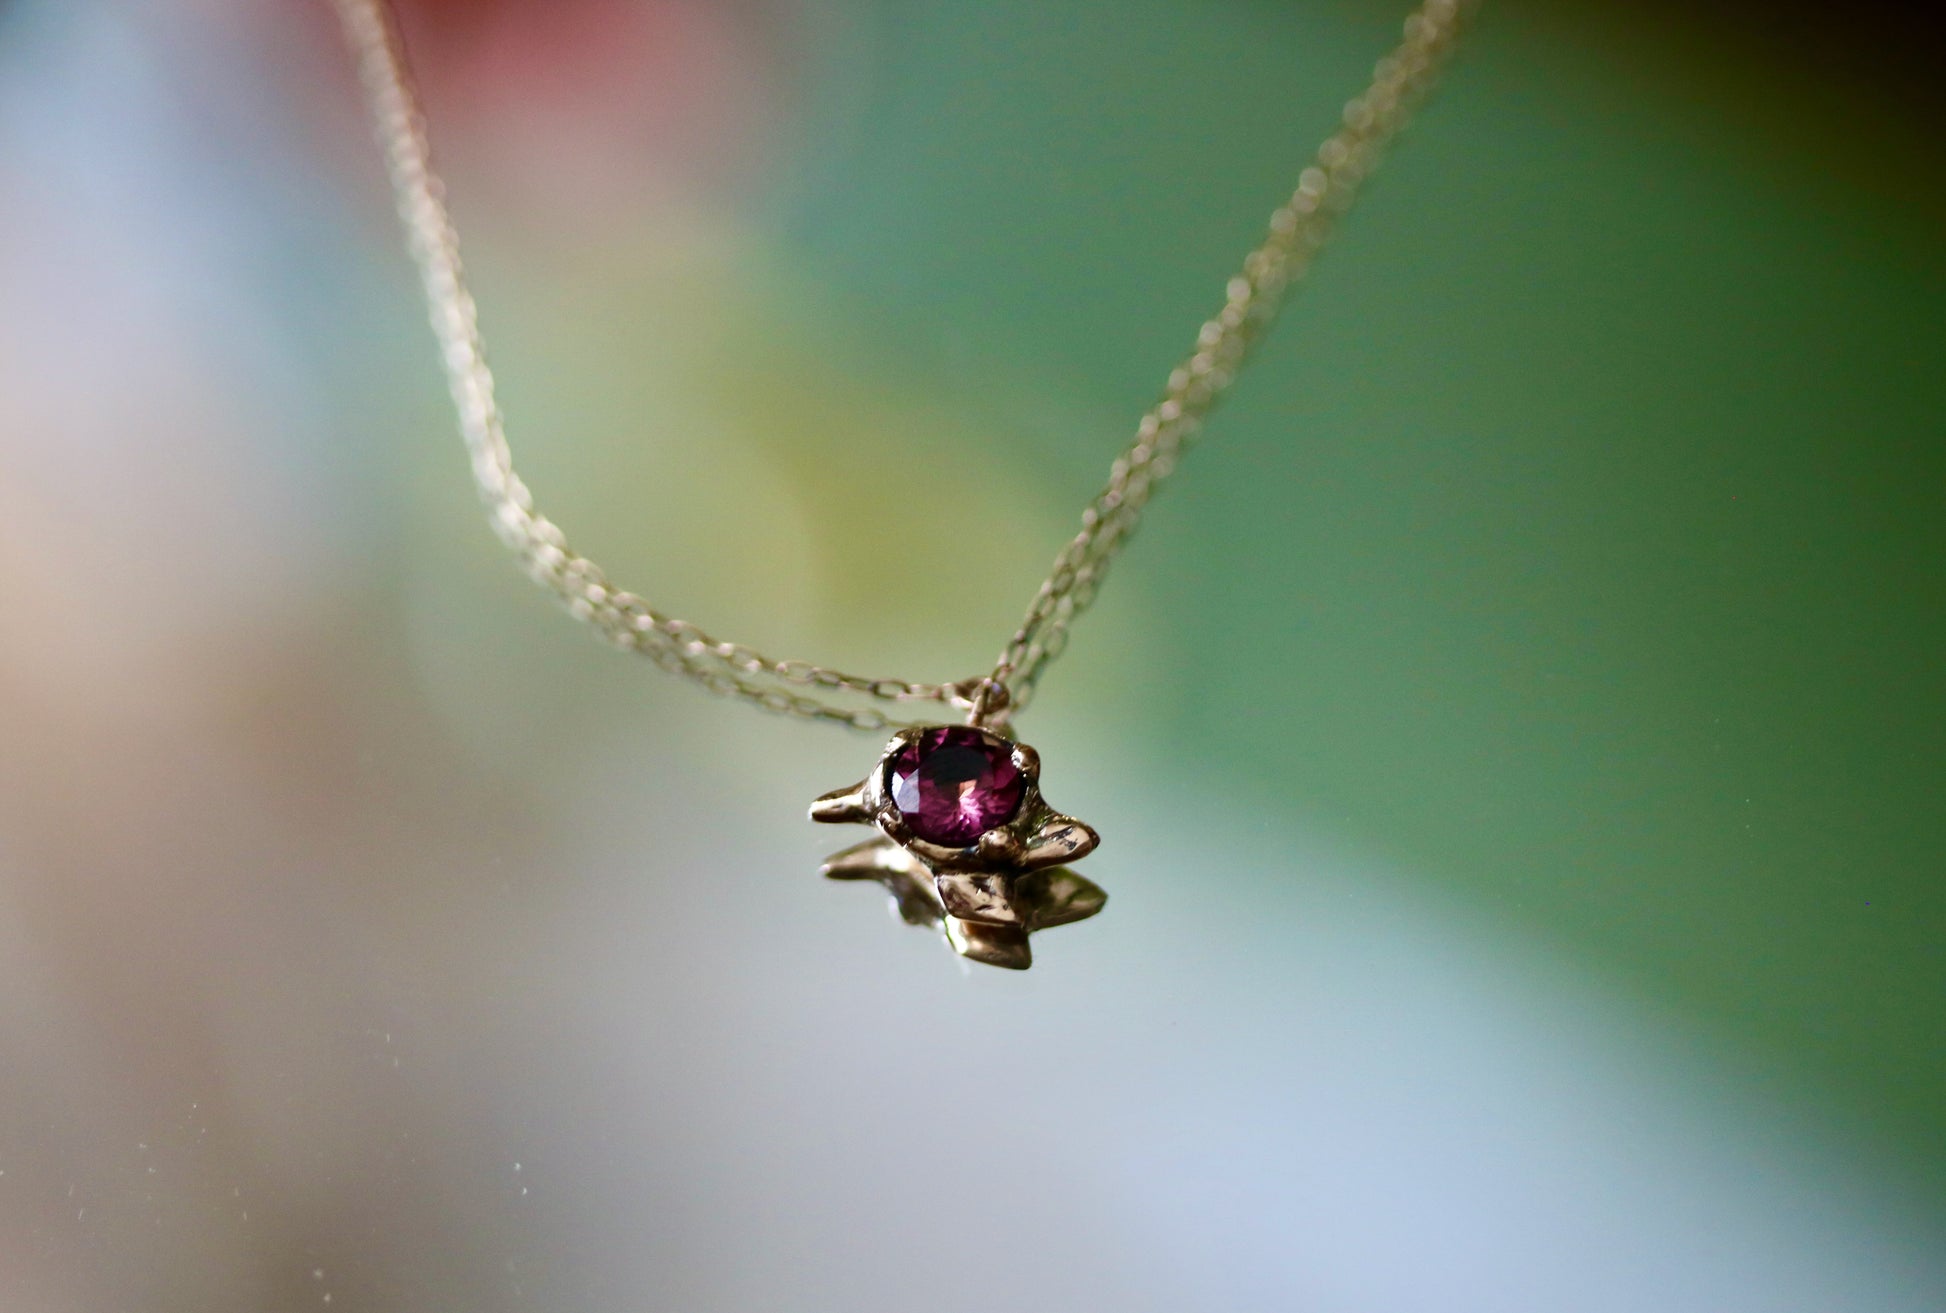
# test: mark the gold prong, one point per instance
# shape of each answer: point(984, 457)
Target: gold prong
point(1057, 896)
point(1059, 839)
point(870, 860)
point(1027, 761)
point(1000, 847)
point(843, 806)
point(987, 899)
point(995, 945)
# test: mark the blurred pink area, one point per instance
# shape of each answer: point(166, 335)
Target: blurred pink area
point(675, 96)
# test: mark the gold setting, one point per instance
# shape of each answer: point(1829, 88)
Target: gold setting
point(986, 897)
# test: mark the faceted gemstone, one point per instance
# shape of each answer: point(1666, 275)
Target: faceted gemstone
point(954, 783)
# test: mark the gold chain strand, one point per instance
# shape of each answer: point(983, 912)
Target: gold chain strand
point(1297, 229)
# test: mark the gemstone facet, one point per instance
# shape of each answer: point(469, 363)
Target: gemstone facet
point(954, 783)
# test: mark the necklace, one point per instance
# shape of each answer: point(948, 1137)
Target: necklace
point(966, 844)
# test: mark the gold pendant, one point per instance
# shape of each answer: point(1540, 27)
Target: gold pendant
point(967, 845)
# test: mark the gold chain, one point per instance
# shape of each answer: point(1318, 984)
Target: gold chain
point(1298, 229)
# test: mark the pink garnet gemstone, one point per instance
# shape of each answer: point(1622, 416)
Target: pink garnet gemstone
point(954, 783)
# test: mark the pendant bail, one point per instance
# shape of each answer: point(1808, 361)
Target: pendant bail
point(987, 701)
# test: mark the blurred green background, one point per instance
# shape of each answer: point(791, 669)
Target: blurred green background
point(1545, 639)
point(1579, 539)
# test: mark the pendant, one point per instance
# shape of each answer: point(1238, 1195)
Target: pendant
point(966, 844)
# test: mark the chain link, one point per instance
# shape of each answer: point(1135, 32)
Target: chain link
point(1297, 230)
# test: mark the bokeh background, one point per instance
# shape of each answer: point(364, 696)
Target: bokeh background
point(1517, 734)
